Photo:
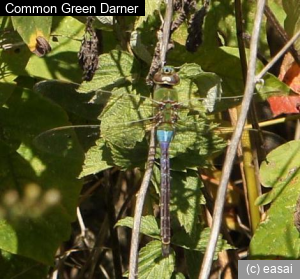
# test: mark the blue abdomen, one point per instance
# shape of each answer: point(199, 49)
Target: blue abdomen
point(164, 136)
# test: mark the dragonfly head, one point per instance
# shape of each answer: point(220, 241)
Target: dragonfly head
point(167, 76)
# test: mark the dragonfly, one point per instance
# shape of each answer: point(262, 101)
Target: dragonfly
point(180, 123)
point(166, 117)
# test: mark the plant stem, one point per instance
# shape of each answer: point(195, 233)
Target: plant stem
point(133, 259)
point(249, 167)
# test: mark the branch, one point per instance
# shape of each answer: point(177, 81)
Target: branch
point(133, 258)
point(166, 32)
point(162, 45)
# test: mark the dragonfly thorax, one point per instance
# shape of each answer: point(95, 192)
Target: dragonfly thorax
point(166, 94)
point(166, 115)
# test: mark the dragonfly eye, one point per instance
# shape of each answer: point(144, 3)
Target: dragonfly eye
point(168, 70)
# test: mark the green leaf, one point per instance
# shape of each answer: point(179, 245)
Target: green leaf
point(208, 86)
point(115, 69)
point(193, 262)
point(130, 158)
point(7, 86)
point(198, 240)
point(225, 62)
point(279, 13)
point(65, 94)
point(139, 49)
point(28, 220)
point(150, 7)
point(195, 141)
point(44, 191)
point(62, 62)
point(31, 27)
point(280, 169)
point(152, 264)
point(14, 57)
point(220, 25)
point(14, 266)
point(94, 160)
point(148, 226)
point(186, 198)
point(281, 173)
point(104, 23)
point(292, 21)
point(272, 84)
point(119, 119)
point(178, 276)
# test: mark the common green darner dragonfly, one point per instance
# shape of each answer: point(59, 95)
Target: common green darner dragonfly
point(123, 124)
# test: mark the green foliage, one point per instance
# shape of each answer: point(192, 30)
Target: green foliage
point(192, 241)
point(292, 21)
point(14, 266)
point(31, 27)
point(186, 197)
point(151, 6)
point(281, 173)
point(12, 62)
point(26, 171)
point(61, 63)
point(109, 74)
point(148, 225)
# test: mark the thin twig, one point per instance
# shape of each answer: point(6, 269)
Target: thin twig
point(133, 259)
point(277, 56)
point(162, 45)
point(98, 247)
point(220, 200)
point(166, 32)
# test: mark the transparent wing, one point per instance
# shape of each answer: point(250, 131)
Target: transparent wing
point(65, 95)
point(60, 141)
point(89, 105)
point(125, 119)
point(196, 141)
point(205, 99)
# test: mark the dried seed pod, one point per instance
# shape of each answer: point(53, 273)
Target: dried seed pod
point(42, 47)
point(184, 8)
point(194, 39)
point(88, 54)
